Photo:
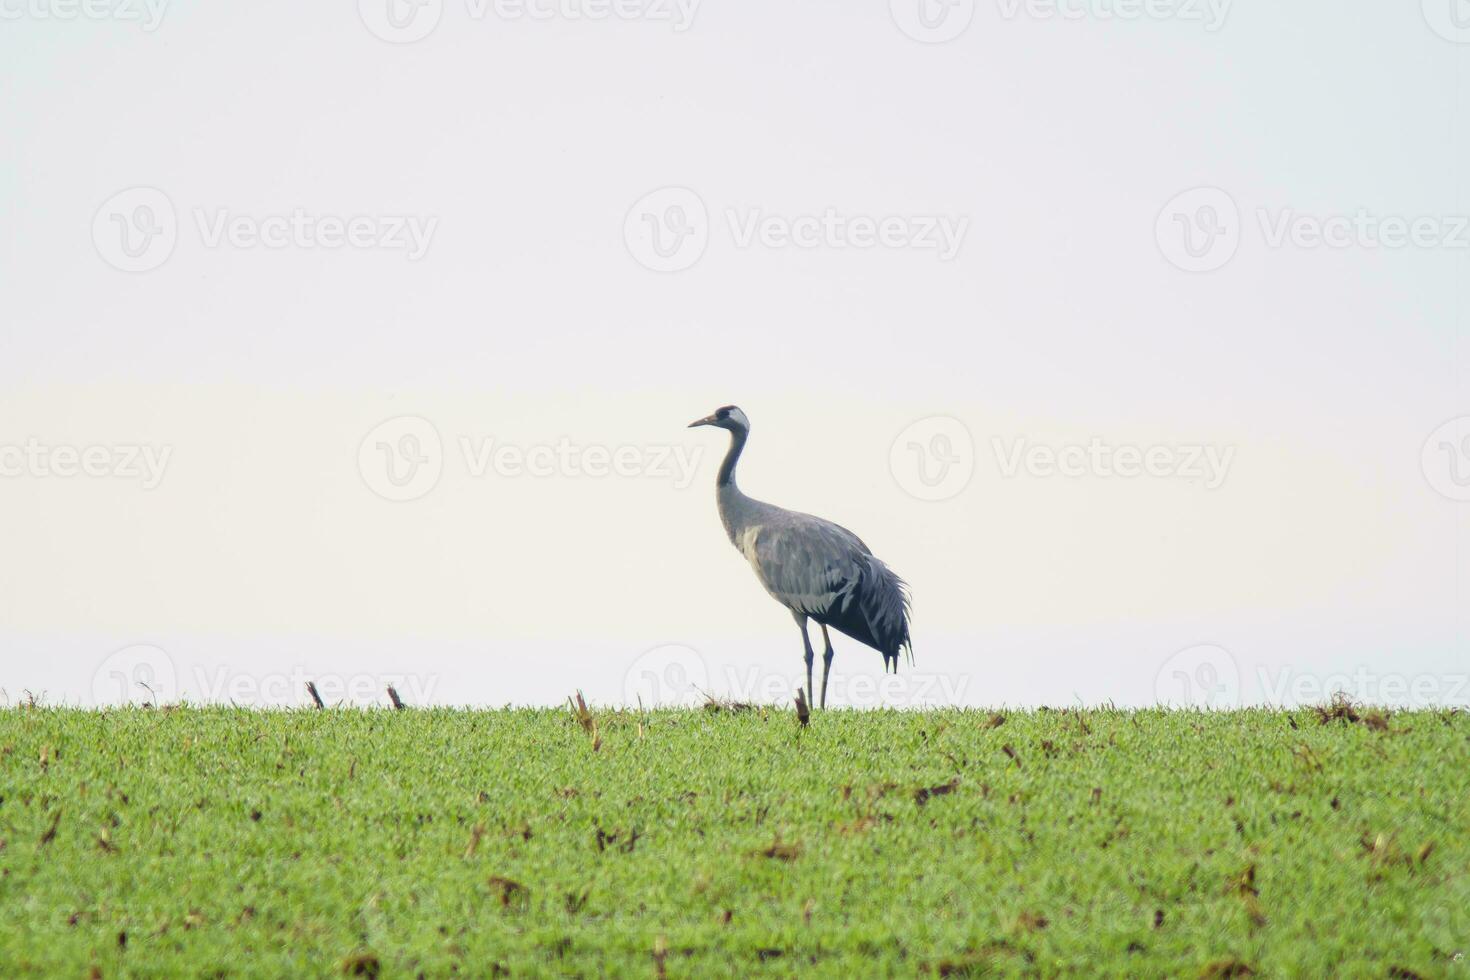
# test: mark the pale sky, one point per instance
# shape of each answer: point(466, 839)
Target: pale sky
point(960, 263)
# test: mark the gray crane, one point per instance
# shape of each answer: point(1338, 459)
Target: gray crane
point(814, 568)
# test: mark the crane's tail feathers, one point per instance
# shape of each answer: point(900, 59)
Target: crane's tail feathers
point(909, 610)
point(887, 608)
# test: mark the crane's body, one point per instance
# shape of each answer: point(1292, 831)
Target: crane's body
point(817, 569)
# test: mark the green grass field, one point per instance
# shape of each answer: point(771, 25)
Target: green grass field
point(222, 842)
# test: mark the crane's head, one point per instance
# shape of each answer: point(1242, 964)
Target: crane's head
point(728, 417)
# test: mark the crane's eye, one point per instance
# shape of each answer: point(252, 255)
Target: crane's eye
point(723, 413)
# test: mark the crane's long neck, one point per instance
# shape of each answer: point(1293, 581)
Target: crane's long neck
point(726, 476)
point(734, 505)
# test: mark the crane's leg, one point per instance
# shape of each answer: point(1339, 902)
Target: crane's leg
point(806, 642)
point(826, 664)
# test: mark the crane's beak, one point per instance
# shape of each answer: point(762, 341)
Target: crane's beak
point(707, 420)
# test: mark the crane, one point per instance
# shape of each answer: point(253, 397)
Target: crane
point(816, 569)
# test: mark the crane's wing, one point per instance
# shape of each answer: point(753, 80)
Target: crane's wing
point(809, 565)
point(823, 570)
